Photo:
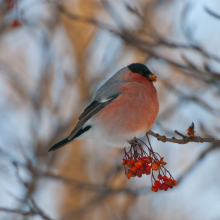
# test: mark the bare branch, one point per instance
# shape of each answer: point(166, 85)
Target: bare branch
point(147, 46)
point(39, 211)
point(17, 211)
point(184, 139)
point(25, 213)
point(212, 13)
point(200, 157)
point(79, 17)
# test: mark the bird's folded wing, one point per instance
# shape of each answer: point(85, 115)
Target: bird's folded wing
point(90, 111)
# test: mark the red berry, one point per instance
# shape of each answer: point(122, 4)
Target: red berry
point(158, 163)
point(160, 176)
point(170, 182)
point(128, 175)
point(161, 187)
point(157, 184)
point(148, 160)
point(133, 174)
point(148, 172)
point(139, 175)
point(124, 162)
point(142, 160)
point(139, 171)
point(174, 182)
point(147, 167)
point(165, 187)
point(155, 166)
point(154, 188)
point(139, 165)
point(128, 163)
point(165, 178)
point(133, 169)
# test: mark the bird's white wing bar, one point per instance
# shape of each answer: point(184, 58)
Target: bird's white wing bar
point(107, 99)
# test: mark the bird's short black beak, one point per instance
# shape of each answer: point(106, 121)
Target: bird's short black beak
point(152, 78)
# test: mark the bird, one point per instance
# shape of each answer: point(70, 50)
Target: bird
point(122, 109)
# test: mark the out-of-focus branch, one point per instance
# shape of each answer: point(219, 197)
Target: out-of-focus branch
point(200, 157)
point(79, 17)
point(184, 139)
point(103, 188)
point(103, 191)
point(212, 13)
point(17, 211)
point(80, 212)
point(38, 211)
point(32, 212)
point(30, 188)
point(148, 46)
point(191, 98)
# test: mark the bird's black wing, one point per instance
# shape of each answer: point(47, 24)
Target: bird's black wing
point(90, 111)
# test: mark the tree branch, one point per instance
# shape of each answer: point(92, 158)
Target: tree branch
point(184, 139)
point(17, 211)
point(212, 13)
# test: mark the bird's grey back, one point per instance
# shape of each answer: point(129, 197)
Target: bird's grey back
point(110, 87)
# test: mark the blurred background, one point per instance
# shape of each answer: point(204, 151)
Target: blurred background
point(54, 55)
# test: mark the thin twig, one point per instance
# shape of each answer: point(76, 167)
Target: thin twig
point(184, 140)
point(212, 13)
point(17, 211)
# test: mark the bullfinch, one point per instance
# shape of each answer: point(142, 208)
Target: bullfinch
point(124, 107)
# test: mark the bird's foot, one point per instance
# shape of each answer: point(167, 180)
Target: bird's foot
point(134, 143)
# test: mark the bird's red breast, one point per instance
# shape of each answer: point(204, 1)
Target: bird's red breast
point(134, 111)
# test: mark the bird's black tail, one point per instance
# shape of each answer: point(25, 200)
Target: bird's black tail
point(66, 140)
point(59, 144)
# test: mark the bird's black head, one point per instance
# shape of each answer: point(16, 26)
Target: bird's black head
point(142, 70)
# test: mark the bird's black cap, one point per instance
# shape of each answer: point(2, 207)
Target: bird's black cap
point(139, 68)
point(142, 70)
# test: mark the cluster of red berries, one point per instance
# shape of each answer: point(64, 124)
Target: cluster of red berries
point(163, 183)
point(137, 162)
point(143, 165)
